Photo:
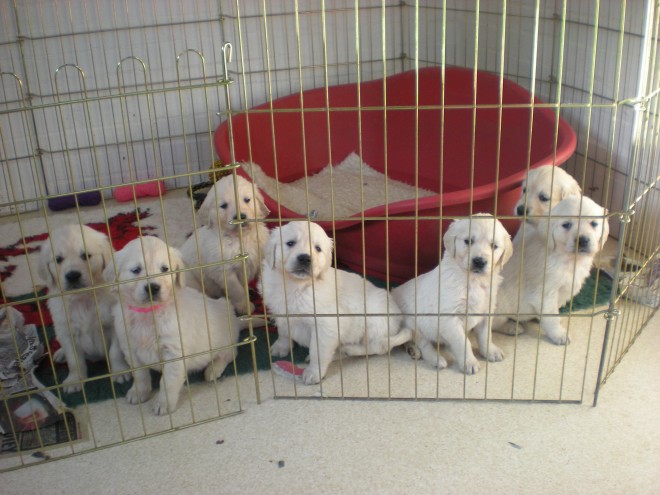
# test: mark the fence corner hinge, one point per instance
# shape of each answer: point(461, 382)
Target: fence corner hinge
point(612, 315)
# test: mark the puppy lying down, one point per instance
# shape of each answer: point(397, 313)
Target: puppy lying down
point(323, 308)
point(458, 295)
point(159, 319)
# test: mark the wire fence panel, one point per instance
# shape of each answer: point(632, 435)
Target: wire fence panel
point(363, 142)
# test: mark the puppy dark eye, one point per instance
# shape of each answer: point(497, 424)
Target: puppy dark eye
point(246, 200)
point(223, 206)
point(318, 249)
point(544, 198)
point(58, 259)
point(85, 256)
point(594, 224)
point(567, 225)
point(164, 268)
point(291, 243)
point(524, 190)
point(137, 270)
point(495, 246)
point(468, 242)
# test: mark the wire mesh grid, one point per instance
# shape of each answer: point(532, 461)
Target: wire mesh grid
point(100, 95)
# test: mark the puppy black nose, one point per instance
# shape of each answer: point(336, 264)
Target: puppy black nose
point(242, 216)
point(153, 288)
point(583, 241)
point(304, 259)
point(520, 210)
point(73, 276)
point(479, 263)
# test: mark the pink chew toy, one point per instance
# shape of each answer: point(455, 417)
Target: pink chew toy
point(127, 193)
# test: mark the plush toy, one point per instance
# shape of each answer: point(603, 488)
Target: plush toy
point(287, 370)
point(90, 198)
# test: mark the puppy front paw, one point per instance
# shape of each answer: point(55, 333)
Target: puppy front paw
point(413, 351)
point(71, 384)
point(241, 309)
point(58, 356)
point(512, 327)
point(135, 396)
point(471, 366)
point(559, 337)
point(310, 376)
point(440, 362)
point(214, 372)
point(280, 348)
point(162, 406)
point(123, 378)
point(495, 354)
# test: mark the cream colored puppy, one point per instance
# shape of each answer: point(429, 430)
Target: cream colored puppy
point(219, 239)
point(558, 256)
point(458, 293)
point(160, 320)
point(73, 258)
point(298, 280)
point(543, 188)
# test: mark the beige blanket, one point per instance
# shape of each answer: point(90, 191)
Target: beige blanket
point(350, 196)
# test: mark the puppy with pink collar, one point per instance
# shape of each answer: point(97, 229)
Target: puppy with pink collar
point(162, 324)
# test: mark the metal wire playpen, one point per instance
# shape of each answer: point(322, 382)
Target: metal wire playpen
point(443, 99)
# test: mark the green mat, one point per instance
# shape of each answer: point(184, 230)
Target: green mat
point(591, 294)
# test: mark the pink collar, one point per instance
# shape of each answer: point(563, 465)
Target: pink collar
point(148, 309)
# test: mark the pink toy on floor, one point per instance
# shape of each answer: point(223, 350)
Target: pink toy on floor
point(125, 193)
point(287, 370)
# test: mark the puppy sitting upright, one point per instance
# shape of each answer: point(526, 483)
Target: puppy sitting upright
point(74, 258)
point(219, 239)
point(298, 280)
point(159, 320)
point(460, 291)
point(552, 268)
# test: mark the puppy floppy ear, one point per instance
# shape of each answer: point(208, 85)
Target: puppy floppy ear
point(43, 264)
point(570, 187)
point(176, 263)
point(329, 245)
point(449, 240)
point(109, 274)
point(606, 229)
point(262, 209)
point(270, 249)
point(508, 247)
point(106, 251)
point(207, 212)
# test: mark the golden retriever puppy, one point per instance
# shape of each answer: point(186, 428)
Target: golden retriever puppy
point(306, 294)
point(219, 239)
point(556, 260)
point(158, 320)
point(453, 298)
point(73, 258)
point(543, 188)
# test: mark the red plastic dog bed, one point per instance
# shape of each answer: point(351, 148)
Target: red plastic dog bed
point(443, 141)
